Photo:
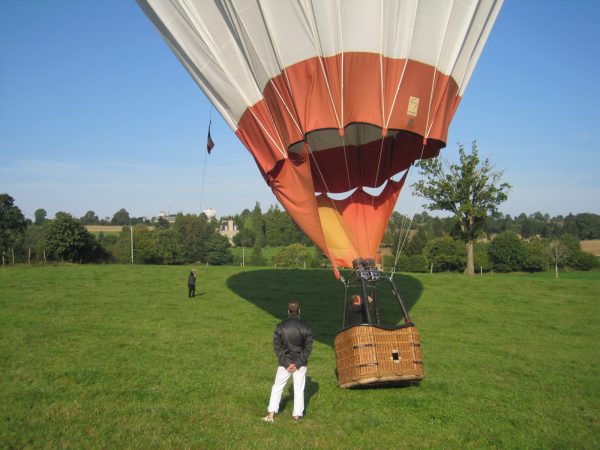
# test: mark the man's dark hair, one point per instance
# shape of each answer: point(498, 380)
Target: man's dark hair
point(294, 308)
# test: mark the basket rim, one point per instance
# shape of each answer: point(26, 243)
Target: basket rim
point(397, 327)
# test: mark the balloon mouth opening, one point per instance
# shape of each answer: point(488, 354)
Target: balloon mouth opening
point(372, 191)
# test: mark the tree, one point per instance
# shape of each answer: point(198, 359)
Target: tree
point(417, 263)
point(480, 255)
point(507, 252)
point(588, 226)
point(257, 258)
point(169, 247)
point(121, 217)
point(536, 256)
point(162, 223)
point(446, 254)
point(256, 223)
point(89, 218)
point(68, 240)
point(217, 250)
point(12, 223)
point(557, 251)
point(294, 255)
point(34, 240)
point(471, 190)
point(40, 216)
point(417, 243)
point(586, 261)
point(193, 232)
point(280, 228)
point(572, 248)
point(245, 238)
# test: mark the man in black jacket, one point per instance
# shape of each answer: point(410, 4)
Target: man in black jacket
point(292, 342)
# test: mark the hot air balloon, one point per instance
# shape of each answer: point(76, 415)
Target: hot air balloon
point(335, 100)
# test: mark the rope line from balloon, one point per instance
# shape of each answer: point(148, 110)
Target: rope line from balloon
point(428, 128)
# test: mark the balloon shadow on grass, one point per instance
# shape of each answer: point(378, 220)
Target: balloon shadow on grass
point(320, 296)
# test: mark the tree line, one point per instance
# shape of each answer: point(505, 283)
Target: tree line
point(427, 243)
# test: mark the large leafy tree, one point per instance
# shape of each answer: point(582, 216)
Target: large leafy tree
point(507, 252)
point(40, 216)
point(68, 240)
point(256, 223)
point(90, 218)
point(445, 253)
point(245, 238)
point(279, 227)
point(217, 250)
point(121, 217)
point(193, 232)
point(12, 222)
point(471, 190)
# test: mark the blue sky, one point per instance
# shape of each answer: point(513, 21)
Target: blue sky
point(97, 113)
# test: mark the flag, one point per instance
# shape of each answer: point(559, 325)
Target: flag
point(209, 142)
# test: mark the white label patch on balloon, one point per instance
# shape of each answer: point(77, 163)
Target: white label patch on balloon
point(413, 106)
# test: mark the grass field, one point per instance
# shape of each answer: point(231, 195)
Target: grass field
point(111, 356)
point(267, 252)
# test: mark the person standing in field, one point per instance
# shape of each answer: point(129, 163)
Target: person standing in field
point(192, 284)
point(292, 342)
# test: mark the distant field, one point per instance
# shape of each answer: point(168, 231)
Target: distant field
point(116, 356)
point(591, 246)
point(106, 229)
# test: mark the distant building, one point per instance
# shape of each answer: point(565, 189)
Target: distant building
point(210, 213)
point(228, 229)
point(169, 217)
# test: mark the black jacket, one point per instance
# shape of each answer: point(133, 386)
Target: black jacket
point(292, 342)
point(192, 279)
point(355, 315)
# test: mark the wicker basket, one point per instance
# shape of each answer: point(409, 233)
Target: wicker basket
point(369, 355)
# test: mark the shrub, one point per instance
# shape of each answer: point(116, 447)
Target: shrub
point(257, 258)
point(506, 252)
point(536, 256)
point(294, 255)
point(418, 263)
point(318, 259)
point(388, 263)
point(585, 261)
point(446, 254)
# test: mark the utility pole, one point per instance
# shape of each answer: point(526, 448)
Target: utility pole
point(131, 232)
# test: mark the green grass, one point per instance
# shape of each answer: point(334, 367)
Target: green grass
point(105, 233)
point(268, 252)
point(116, 356)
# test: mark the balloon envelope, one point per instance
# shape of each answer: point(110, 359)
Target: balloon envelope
point(331, 97)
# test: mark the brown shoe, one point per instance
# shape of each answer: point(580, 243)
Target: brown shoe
point(296, 418)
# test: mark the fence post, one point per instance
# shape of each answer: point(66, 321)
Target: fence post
point(29, 257)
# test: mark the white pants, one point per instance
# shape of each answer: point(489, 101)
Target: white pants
point(281, 378)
